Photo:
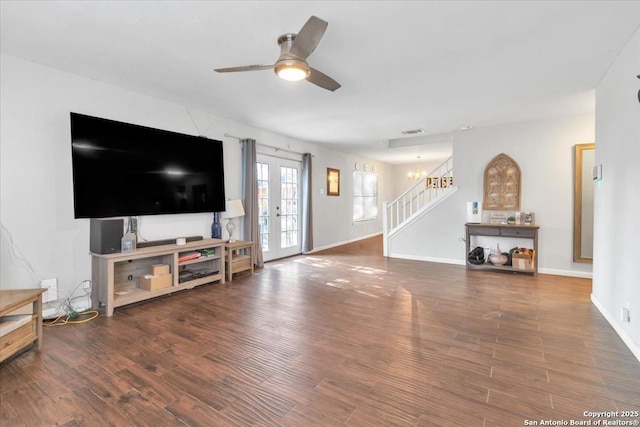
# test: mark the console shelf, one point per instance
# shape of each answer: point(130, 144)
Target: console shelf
point(116, 277)
point(503, 230)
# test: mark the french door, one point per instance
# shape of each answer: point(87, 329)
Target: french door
point(279, 206)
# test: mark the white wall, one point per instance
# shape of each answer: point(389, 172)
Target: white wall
point(36, 177)
point(544, 151)
point(616, 271)
point(333, 215)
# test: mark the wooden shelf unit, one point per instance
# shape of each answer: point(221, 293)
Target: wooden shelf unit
point(116, 276)
point(240, 257)
point(25, 331)
point(502, 230)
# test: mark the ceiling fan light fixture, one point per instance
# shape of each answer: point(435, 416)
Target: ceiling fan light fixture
point(292, 70)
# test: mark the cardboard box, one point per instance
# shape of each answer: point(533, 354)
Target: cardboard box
point(160, 269)
point(152, 283)
point(523, 261)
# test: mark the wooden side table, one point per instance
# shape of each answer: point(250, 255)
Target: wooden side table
point(239, 257)
point(20, 331)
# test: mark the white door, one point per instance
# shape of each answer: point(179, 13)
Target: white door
point(279, 206)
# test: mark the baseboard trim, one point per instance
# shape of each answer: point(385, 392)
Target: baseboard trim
point(428, 259)
point(567, 273)
point(346, 242)
point(616, 327)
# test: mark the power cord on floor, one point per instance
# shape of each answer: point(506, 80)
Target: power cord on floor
point(74, 317)
point(67, 306)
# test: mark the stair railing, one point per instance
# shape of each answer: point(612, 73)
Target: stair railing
point(427, 189)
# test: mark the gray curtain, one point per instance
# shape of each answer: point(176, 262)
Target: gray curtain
point(250, 197)
point(307, 222)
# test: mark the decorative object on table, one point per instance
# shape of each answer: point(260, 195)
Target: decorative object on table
point(216, 228)
point(233, 209)
point(511, 220)
point(528, 218)
point(498, 218)
point(524, 218)
point(502, 184)
point(476, 256)
point(499, 258)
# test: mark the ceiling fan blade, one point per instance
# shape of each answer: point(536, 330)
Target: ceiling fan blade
point(244, 68)
point(320, 79)
point(308, 37)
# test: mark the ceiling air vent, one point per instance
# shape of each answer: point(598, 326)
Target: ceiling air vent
point(412, 132)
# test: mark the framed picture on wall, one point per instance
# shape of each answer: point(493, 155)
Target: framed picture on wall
point(333, 182)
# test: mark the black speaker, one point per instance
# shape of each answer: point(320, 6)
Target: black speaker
point(105, 235)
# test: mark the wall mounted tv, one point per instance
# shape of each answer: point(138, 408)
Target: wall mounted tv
point(120, 169)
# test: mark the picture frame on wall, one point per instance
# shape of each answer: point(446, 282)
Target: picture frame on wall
point(333, 182)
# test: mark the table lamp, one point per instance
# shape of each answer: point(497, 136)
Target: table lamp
point(233, 209)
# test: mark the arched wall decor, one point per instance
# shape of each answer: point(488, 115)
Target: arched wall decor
point(502, 184)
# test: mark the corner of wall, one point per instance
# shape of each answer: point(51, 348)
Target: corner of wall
point(611, 319)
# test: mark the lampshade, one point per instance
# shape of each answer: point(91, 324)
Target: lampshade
point(292, 70)
point(233, 209)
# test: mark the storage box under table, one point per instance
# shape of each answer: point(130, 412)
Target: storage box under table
point(523, 261)
point(151, 283)
point(160, 269)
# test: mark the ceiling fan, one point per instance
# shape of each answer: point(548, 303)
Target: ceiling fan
point(294, 49)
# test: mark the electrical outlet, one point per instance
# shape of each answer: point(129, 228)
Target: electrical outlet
point(52, 289)
point(626, 314)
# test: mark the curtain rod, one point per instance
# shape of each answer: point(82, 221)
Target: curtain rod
point(269, 146)
point(279, 157)
point(281, 149)
point(231, 136)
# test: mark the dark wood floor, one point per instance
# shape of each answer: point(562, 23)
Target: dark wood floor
point(343, 337)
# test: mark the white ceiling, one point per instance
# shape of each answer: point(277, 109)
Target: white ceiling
point(436, 65)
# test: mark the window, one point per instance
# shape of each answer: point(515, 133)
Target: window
point(365, 196)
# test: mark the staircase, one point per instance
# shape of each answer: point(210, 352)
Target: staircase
point(421, 198)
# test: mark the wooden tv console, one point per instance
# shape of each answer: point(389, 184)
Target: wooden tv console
point(116, 277)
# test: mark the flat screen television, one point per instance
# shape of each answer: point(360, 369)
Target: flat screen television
point(121, 169)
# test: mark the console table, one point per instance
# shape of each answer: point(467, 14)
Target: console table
point(116, 277)
point(240, 257)
point(502, 230)
point(20, 331)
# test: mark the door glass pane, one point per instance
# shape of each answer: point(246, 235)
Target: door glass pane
point(263, 203)
point(288, 207)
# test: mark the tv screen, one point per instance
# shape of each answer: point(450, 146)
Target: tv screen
point(121, 169)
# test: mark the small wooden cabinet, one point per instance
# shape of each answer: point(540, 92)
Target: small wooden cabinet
point(240, 257)
point(18, 331)
point(502, 230)
point(116, 277)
